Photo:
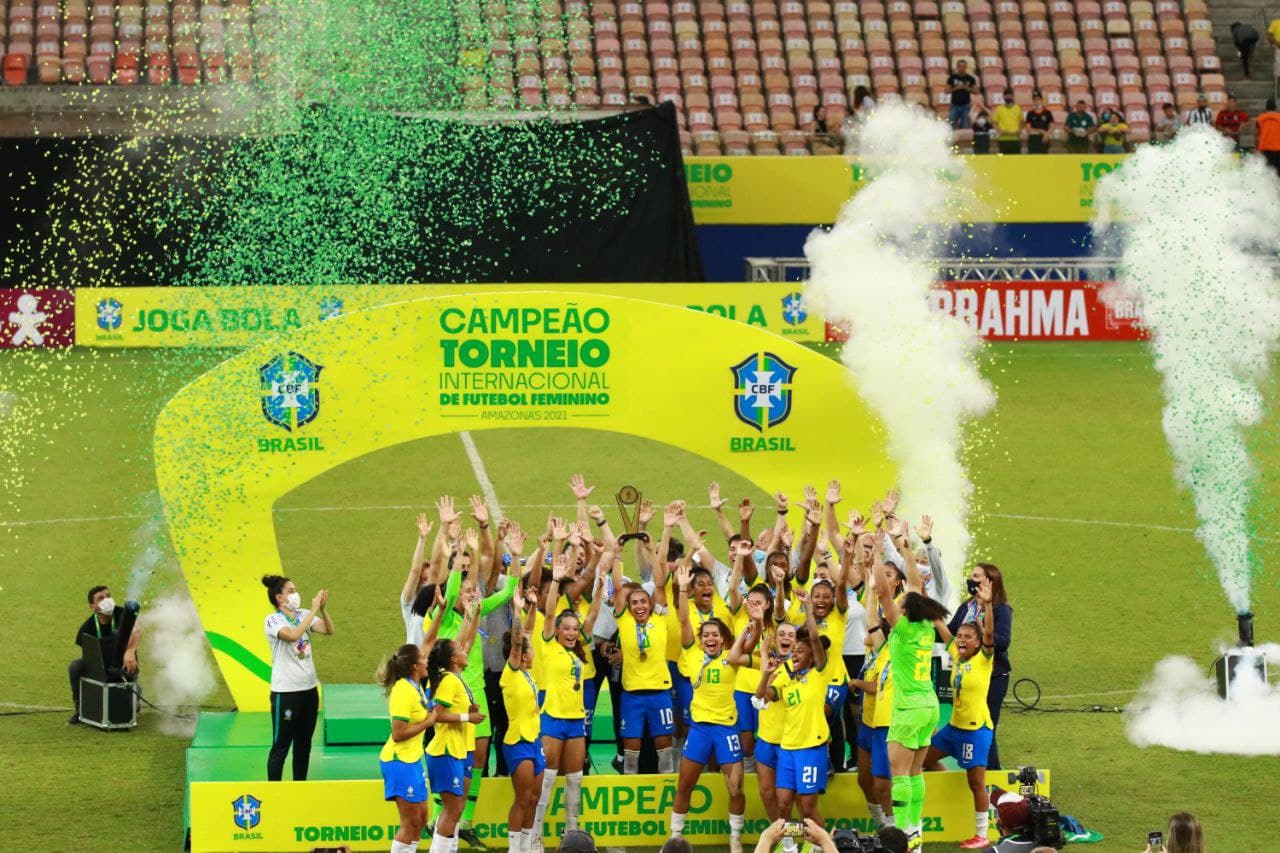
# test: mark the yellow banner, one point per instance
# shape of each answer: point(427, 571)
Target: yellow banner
point(617, 811)
point(810, 190)
point(286, 410)
point(240, 316)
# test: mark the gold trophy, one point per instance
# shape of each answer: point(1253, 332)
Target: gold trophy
point(628, 498)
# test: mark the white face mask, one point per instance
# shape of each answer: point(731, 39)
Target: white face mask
point(293, 601)
point(106, 606)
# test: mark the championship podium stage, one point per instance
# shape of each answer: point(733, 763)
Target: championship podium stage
point(230, 806)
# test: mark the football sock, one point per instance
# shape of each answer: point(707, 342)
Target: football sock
point(677, 824)
point(980, 824)
point(572, 799)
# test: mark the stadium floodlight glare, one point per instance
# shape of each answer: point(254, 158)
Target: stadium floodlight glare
point(1234, 663)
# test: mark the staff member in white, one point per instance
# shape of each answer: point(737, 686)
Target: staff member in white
point(295, 697)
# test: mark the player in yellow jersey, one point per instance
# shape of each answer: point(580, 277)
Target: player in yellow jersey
point(403, 779)
point(756, 608)
point(522, 744)
point(711, 667)
point(967, 737)
point(646, 681)
point(449, 755)
point(801, 687)
point(873, 753)
point(772, 716)
point(563, 710)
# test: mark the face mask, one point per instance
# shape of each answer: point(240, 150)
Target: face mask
point(972, 586)
point(106, 606)
point(293, 601)
point(759, 556)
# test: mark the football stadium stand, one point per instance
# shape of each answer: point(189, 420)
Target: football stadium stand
point(747, 77)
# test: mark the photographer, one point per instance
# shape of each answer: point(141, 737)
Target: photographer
point(1013, 817)
point(103, 623)
point(972, 611)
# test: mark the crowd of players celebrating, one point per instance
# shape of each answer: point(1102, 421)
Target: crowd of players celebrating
point(751, 656)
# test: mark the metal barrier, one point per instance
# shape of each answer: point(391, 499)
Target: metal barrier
point(962, 269)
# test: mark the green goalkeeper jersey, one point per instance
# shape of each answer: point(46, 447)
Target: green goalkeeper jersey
point(911, 659)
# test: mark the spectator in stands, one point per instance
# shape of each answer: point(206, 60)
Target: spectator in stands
point(1008, 121)
point(1202, 114)
point(1113, 132)
point(1080, 129)
point(1268, 134)
point(1039, 122)
point(1245, 38)
point(1168, 124)
point(961, 83)
point(1273, 36)
point(981, 132)
point(1231, 119)
point(822, 134)
point(863, 103)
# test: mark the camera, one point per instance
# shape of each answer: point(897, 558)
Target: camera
point(848, 841)
point(1043, 826)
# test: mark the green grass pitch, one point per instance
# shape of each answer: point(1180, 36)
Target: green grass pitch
point(1075, 501)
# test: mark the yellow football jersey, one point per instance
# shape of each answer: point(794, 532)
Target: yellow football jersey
point(453, 739)
point(520, 696)
point(970, 680)
point(405, 702)
point(713, 680)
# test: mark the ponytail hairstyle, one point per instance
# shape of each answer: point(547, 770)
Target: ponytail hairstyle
point(399, 665)
point(438, 662)
point(275, 585)
point(578, 648)
point(921, 608)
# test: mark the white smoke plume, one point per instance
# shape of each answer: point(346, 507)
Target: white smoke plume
point(1180, 708)
point(914, 367)
point(1194, 224)
point(179, 671)
point(148, 548)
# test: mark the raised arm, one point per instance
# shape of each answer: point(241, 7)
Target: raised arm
point(884, 590)
point(741, 554)
point(780, 523)
point(768, 672)
point(603, 567)
point(684, 574)
point(739, 654)
point(414, 580)
point(778, 575)
point(815, 640)
point(988, 619)
point(559, 571)
point(432, 634)
point(808, 540)
point(485, 559)
point(717, 506)
point(596, 514)
point(471, 620)
point(745, 511)
point(833, 526)
point(519, 628)
point(940, 581)
point(581, 491)
point(443, 546)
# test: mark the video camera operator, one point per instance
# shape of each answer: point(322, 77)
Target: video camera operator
point(103, 623)
point(1027, 820)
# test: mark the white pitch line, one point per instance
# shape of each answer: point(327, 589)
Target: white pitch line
point(482, 476)
point(70, 520)
point(1061, 520)
point(19, 706)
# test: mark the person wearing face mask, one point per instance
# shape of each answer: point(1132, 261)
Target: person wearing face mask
point(973, 610)
point(103, 622)
point(295, 694)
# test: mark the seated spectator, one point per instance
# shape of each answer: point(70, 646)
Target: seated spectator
point(981, 133)
point(103, 623)
point(863, 103)
point(1113, 132)
point(1080, 130)
point(1202, 114)
point(1168, 123)
point(1231, 120)
point(1007, 119)
point(822, 134)
point(1039, 122)
point(1183, 835)
point(961, 83)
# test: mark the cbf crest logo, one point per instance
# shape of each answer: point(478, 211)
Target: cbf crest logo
point(793, 310)
point(290, 397)
point(110, 315)
point(762, 390)
point(246, 811)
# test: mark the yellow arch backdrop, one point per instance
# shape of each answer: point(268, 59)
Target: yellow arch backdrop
point(230, 444)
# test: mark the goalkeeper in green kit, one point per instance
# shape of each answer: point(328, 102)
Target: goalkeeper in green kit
point(911, 623)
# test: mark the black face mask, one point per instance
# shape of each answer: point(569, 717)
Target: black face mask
point(972, 586)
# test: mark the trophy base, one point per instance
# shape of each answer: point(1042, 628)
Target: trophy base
point(627, 537)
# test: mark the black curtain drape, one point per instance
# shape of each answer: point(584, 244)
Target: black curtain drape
point(367, 198)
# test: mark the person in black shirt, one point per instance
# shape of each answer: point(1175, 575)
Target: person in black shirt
point(982, 133)
point(961, 84)
point(103, 624)
point(1245, 39)
point(1038, 121)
